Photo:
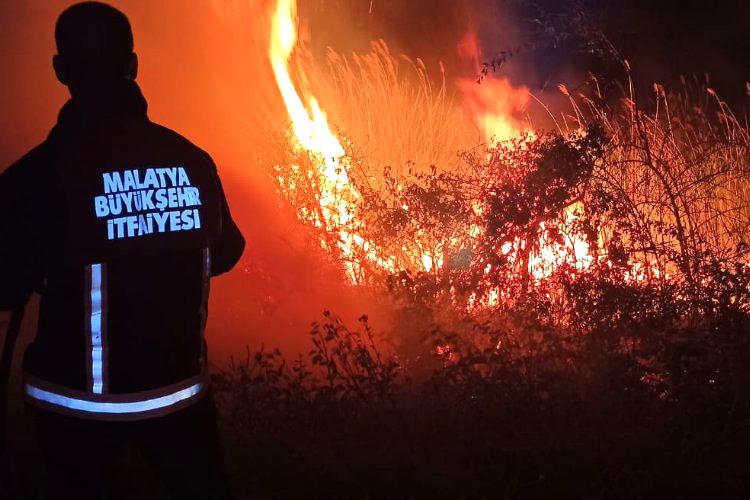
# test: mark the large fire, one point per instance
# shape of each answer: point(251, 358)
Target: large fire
point(312, 133)
point(494, 106)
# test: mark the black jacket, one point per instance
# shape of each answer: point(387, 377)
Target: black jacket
point(118, 223)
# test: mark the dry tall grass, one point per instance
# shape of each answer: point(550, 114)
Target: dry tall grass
point(391, 109)
point(680, 168)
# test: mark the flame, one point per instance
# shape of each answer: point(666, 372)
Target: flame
point(495, 103)
point(310, 127)
point(574, 250)
point(312, 133)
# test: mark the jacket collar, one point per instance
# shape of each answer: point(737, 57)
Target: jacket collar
point(124, 100)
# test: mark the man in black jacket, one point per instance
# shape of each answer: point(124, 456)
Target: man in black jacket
point(119, 224)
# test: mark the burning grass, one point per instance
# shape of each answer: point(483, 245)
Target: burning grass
point(656, 192)
point(680, 173)
point(390, 110)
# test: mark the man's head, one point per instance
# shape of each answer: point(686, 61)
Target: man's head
point(94, 47)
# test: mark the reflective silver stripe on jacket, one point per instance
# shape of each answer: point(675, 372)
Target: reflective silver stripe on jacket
point(205, 289)
point(131, 406)
point(97, 402)
point(95, 326)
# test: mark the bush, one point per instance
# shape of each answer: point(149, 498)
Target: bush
point(635, 399)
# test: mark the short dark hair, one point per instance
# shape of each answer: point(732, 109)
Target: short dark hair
point(94, 37)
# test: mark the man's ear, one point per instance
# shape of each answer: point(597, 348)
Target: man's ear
point(59, 64)
point(133, 66)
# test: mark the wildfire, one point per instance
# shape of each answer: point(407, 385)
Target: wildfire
point(335, 198)
point(310, 127)
point(311, 132)
point(495, 105)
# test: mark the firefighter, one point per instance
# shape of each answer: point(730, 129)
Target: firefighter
point(119, 224)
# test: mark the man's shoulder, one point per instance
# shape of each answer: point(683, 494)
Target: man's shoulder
point(181, 141)
point(27, 168)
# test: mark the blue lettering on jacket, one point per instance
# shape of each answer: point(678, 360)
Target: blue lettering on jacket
point(138, 202)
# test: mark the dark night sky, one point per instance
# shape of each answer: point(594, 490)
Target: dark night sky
point(662, 39)
point(668, 38)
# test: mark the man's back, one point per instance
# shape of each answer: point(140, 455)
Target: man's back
point(118, 220)
point(119, 224)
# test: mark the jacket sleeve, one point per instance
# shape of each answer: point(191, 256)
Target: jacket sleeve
point(20, 257)
point(229, 244)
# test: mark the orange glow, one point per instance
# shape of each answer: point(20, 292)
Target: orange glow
point(495, 104)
